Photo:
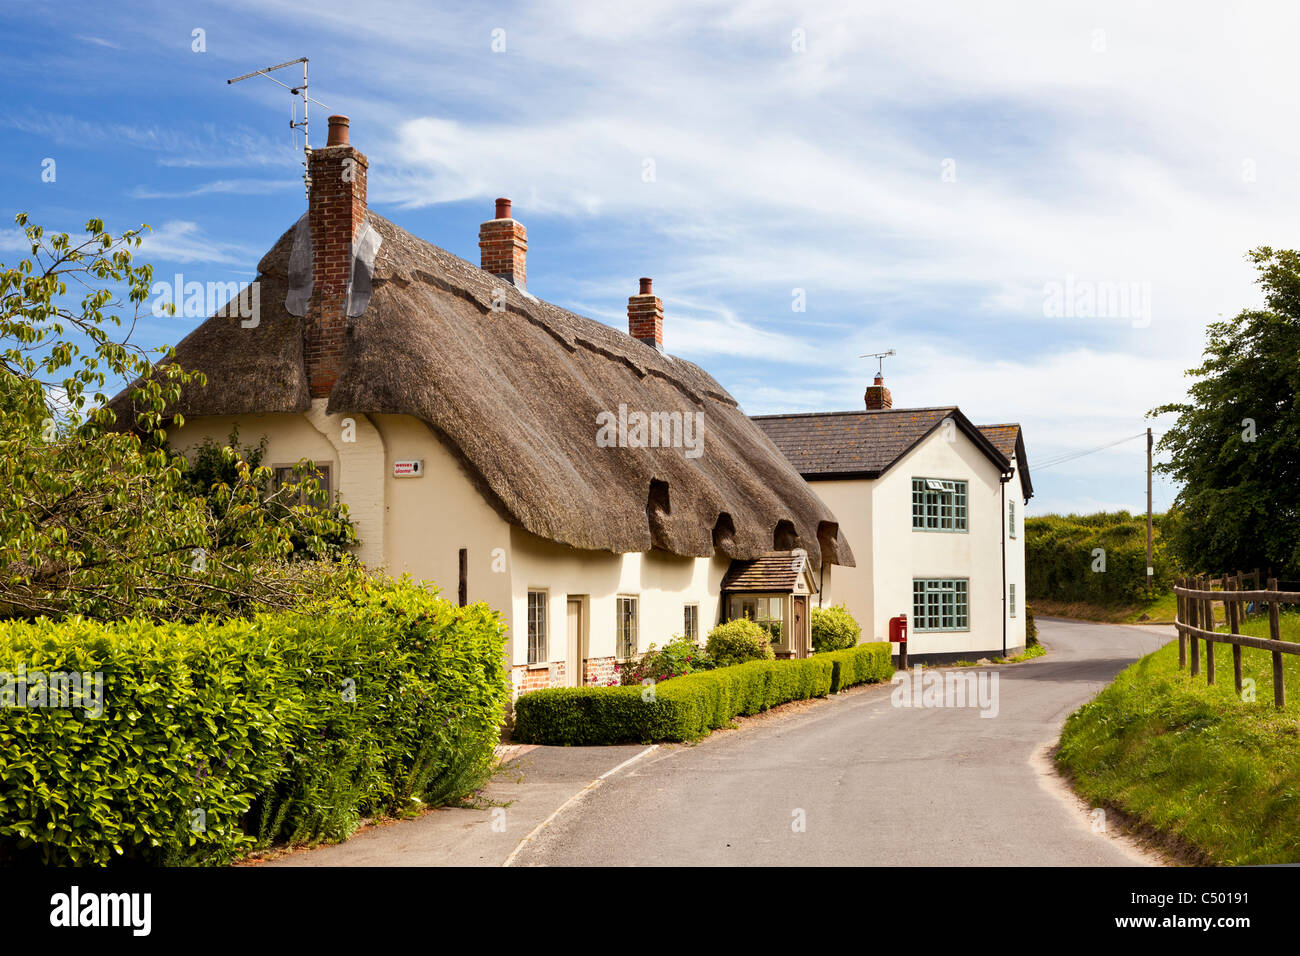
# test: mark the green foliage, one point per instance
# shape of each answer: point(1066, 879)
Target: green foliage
point(679, 656)
point(1060, 557)
point(1031, 627)
point(738, 641)
point(689, 707)
point(283, 727)
point(1235, 448)
point(98, 521)
point(833, 629)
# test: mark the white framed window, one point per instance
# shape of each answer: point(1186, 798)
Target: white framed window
point(285, 475)
point(691, 621)
point(938, 504)
point(765, 610)
point(940, 604)
point(537, 650)
point(1011, 518)
point(626, 626)
point(1012, 585)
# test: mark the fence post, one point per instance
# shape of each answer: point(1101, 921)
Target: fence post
point(1275, 632)
point(1180, 619)
point(1209, 642)
point(1194, 619)
point(1234, 625)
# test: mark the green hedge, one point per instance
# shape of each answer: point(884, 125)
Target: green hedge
point(283, 727)
point(690, 706)
point(1060, 558)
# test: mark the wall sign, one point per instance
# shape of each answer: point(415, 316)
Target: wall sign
point(411, 468)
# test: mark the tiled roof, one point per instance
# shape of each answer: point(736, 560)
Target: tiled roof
point(861, 444)
point(1003, 437)
point(774, 571)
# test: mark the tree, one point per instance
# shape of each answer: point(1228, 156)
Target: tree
point(1235, 447)
point(97, 519)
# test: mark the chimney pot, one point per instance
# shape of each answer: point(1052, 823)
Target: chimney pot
point(338, 131)
point(503, 208)
point(645, 317)
point(645, 286)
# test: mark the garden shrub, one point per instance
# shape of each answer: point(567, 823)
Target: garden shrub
point(689, 707)
point(833, 629)
point(679, 656)
point(738, 641)
point(1031, 627)
point(219, 736)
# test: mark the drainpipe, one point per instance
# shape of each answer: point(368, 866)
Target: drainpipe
point(1002, 493)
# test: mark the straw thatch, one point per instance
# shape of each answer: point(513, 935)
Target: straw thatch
point(515, 395)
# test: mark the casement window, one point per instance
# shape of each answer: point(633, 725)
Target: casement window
point(626, 627)
point(691, 621)
point(285, 475)
point(1012, 601)
point(1011, 518)
point(938, 504)
point(537, 651)
point(940, 604)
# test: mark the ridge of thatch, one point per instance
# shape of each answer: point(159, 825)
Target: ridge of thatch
point(515, 392)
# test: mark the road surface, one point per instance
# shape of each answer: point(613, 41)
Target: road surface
point(858, 780)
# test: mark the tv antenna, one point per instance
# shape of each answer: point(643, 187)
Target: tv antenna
point(294, 125)
point(880, 359)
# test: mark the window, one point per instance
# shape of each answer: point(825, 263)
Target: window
point(938, 505)
point(284, 475)
point(626, 627)
point(765, 610)
point(691, 624)
point(537, 627)
point(1012, 585)
point(940, 604)
point(1011, 518)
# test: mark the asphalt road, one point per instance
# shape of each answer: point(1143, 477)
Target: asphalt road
point(858, 780)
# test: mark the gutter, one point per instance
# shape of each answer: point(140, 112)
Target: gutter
point(1002, 496)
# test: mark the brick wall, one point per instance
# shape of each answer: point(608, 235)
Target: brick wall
point(503, 248)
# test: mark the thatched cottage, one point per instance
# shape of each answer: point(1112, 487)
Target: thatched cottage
point(593, 488)
point(932, 504)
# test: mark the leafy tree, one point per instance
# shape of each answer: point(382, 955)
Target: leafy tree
point(1236, 444)
point(97, 519)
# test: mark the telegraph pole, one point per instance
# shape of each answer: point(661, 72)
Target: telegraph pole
point(1150, 567)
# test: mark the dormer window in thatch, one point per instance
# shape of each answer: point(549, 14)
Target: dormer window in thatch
point(784, 536)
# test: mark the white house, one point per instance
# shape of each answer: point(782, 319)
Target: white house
point(591, 487)
point(932, 504)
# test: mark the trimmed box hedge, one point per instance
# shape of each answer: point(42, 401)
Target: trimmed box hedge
point(690, 706)
point(220, 736)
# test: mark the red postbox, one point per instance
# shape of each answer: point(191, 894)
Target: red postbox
point(898, 629)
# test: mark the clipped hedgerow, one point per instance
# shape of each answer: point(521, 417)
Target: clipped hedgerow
point(690, 706)
point(219, 736)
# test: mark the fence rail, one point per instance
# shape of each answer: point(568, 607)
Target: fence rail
point(1194, 620)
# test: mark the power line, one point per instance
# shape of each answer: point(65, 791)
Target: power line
point(1071, 456)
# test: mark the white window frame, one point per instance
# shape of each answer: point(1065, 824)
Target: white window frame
point(687, 622)
point(622, 649)
point(538, 627)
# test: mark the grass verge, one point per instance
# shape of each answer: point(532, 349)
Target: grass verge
point(1159, 611)
point(1204, 769)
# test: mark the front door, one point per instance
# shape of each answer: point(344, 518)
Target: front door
point(799, 625)
point(574, 667)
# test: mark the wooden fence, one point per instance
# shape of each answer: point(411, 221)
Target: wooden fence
point(1195, 622)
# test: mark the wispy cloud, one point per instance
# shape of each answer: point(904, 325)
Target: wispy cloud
point(237, 187)
point(180, 240)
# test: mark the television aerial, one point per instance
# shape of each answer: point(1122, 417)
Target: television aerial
point(294, 124)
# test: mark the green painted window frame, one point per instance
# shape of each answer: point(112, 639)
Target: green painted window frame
point(1011, 518)
point(538, 602)
point(1012, 586)
point(930, 510)
point(929, 606)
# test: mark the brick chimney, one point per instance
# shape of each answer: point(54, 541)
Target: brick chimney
point(336, 213)
point(503, 246)
point(878, 396)
point(645, 316)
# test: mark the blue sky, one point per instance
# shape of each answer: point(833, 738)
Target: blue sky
point(926, 174)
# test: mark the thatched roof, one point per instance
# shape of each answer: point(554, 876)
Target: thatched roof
point(515, 395)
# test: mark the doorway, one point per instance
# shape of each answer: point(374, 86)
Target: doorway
point(575, 654)
point(799, 625)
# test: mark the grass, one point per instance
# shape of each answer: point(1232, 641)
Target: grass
point(1032, 651)
point(1214, 774)
point(1158, 611)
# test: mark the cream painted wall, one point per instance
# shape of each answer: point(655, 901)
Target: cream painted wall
point(663, 584)
point(876, 516)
